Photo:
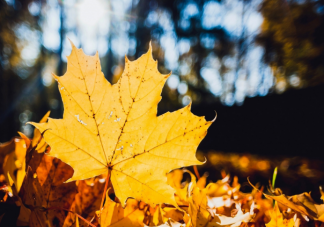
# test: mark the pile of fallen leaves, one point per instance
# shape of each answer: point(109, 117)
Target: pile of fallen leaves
point(112, 162)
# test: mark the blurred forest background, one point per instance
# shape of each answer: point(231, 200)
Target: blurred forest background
point(258, 63)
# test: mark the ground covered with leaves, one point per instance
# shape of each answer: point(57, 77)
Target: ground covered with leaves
point(41, 198)
point(111, 161)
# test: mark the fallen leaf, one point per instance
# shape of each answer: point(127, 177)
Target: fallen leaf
point(322, 193)
point(22, 218)
point(173, 213)
point(159, 216)
point(277, 219)
point(114, 215)
point(182, 189)
point(235, 220)
point(38, 141)
point(154, 216)
point(26, 139)
point(115, 127)
point(198, 208)
point(137, 214)
point(297, 206)
point(87, 200)
point(14, 163)
point(44, 192)
point(320, 212)
point(201, 183)
point(306, 200)
point(300, 208)
point(24, 212)
point(220, 188)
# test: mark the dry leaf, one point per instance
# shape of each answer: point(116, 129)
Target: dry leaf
point(114, 215)
point(38, 141)
point(322, 193)
point(26, 139)
point(182, 189)
point(306, 200)
point(202, 181)
point(87, 200)
point(198, 208)
point(137, 214)
point(277, 219)
point(14, 163)
point(44, 188)
point(115, 127)
point(235, 220)
point(14, 167)
point(220, 188)
point(320, 212)
point(295, 205)
point(173, 213)
point(159, 216)
point(24, 212)
point(300, 208)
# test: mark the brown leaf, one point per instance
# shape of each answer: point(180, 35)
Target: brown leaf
point(87, 200)
point(306, 200)
point(295, 205)
point(43, 188)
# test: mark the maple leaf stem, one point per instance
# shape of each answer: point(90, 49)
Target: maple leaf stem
point(196, 172)
point(59, 208)
point(104, 192)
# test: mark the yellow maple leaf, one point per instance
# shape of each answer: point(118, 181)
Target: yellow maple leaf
point(115, 127)
point(277, 219)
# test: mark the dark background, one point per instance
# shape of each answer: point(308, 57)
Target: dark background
point(287, 124)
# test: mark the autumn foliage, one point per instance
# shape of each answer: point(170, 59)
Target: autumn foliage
point(111, 161)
